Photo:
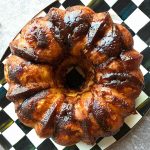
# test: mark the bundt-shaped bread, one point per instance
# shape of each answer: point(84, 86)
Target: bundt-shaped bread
point(99, 49)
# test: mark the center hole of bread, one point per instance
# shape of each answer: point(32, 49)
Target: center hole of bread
point(74, 78)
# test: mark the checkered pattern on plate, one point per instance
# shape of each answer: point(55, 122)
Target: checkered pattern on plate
point(133, 14)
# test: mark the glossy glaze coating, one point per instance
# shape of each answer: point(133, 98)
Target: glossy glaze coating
point(47, 48)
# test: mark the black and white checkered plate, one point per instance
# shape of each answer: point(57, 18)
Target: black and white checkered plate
point(135, 15)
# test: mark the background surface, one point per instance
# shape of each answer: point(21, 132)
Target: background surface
point(14, 14)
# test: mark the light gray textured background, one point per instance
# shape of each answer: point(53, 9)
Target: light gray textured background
point(14, 14)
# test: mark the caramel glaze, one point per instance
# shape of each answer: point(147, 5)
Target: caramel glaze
point(45, 49)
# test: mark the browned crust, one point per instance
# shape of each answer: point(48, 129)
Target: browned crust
point(46, 48)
